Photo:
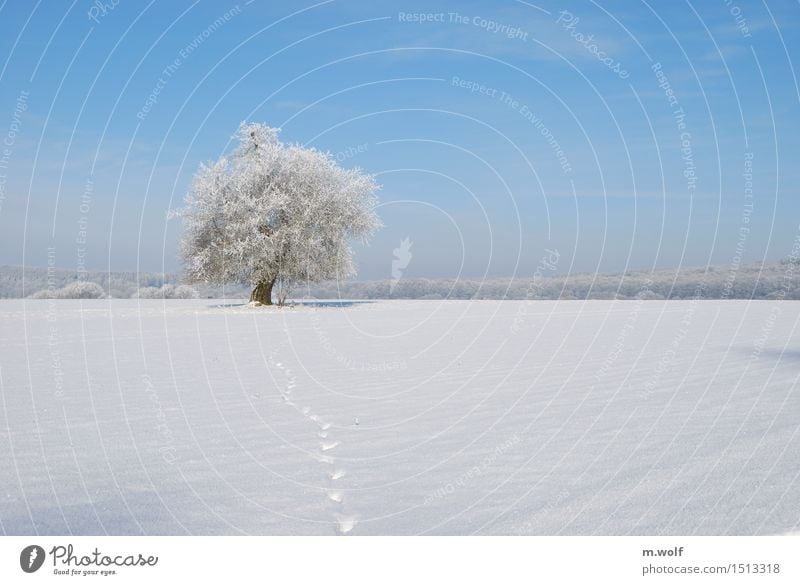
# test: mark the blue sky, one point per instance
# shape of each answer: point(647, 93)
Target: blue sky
point(498, 130)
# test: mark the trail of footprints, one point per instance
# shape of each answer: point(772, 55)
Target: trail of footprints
point(327, 446)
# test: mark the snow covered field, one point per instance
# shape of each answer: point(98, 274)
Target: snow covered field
point(399, 417)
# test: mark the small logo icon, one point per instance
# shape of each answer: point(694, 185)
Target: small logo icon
point(31, 558)
point(402, 256)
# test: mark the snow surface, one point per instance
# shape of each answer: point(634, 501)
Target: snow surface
point(399, 417)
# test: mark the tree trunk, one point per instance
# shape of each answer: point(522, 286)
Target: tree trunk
point(262, 293)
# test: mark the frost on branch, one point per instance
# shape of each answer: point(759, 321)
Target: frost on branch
point(275, 214)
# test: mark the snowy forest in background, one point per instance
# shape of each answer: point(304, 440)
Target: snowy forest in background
point(780, 280)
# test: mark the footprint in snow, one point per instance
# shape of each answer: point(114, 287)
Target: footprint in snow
point(346, 523)
point(328, 445)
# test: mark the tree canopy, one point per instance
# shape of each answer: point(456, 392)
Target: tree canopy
point(275, 214)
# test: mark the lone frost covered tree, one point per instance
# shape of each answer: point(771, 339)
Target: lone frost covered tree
point(273, 215)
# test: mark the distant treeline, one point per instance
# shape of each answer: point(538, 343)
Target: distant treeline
point(752, 281)
point(59, 283)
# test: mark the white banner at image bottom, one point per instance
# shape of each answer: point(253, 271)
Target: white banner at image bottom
point(388, 560)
